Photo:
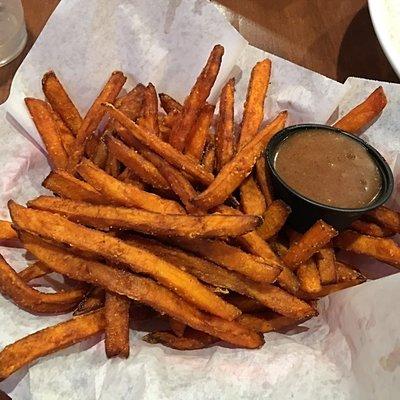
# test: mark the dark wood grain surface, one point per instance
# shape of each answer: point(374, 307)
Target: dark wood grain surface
point(333, 37)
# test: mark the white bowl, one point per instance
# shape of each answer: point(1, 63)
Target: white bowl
point(385, 15)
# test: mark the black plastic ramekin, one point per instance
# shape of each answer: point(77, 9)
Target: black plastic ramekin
point(306, 211)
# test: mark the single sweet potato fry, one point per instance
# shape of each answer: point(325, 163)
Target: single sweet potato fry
point(142, 168)
point(140, 289)
point(61, 102)
point(116, 312)
point(233, 173)
point(386, 218)
point(310, 281)
point(253, 112)
point(132, 103)
point(66, 135)
point(67, 186)
point(14, 287)
point(329, 289)
point(94, 116)
point(196, 99)
point(112, 165)
point(6, 231)
point(42, 116)
point(59, 229)
point(194, 341)
point(268, 295)
point(325, 259)
point(371, 229)
point(274, 218)
point(93, 300)
point(169, 104)
point(214, 225)
point(48, 341)
point(200, 131)
point(268, 323)
point(132, 132)
point(33, 271)
point(346, 272)
point(264, 180)
point(224, 138)
point(382, 249)
point(149, 118)
point(361, 116)
point(251, 198)
point(125, 194)
point(232, 258)
point(318, 236)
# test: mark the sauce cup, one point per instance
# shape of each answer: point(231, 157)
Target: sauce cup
point(305, 212)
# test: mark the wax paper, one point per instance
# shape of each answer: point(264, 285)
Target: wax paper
point(350, 351)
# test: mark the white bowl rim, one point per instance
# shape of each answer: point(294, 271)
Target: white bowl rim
point(376, 10)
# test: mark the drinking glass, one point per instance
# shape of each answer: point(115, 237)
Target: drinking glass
point(12, 30)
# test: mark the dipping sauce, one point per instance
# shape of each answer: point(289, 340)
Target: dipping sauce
point(329, 168)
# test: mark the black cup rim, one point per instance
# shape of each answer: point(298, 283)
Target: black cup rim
point(384, 169)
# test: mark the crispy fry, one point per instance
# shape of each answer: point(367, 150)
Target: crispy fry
point(274, 218)
point(325, 259)
point(65, 185)
point(232, 258)
point(6, 231)
point(386, 218)
point(364, 114)
point(141, 289)
point(61, 102)
point(33, 271)
point(116, 312)
point(171, 119)
point(329, 289)
point(147, 222)
point(209, 156)
point(132, 103)
point(253, 113)
point(371, 229)
point(149, 118)
point(251, 197)
point(45, 124)
point(197, 340)
point(268, 295)
point(49, 340)
point(123, 193)
point(198, 137)
point(57, 228)
point(169, 104)
point(142, 168)
point(233, 173)
point(100, 155)
point(264, 180)
point(346, 272)
point(93, 300)
point(133, 131)
point(264, 324)
point(224, 140)
point(309, 278)
point(67, 137)
point(196, 99)
point(112, 165)
point(382, 249)
point(312, 241)
point(13, 286)
point(177, 327)
point(94, 116)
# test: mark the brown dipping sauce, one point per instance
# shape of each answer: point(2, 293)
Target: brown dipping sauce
point(329, 168)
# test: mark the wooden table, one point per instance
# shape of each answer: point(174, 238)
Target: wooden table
point(333, 37)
